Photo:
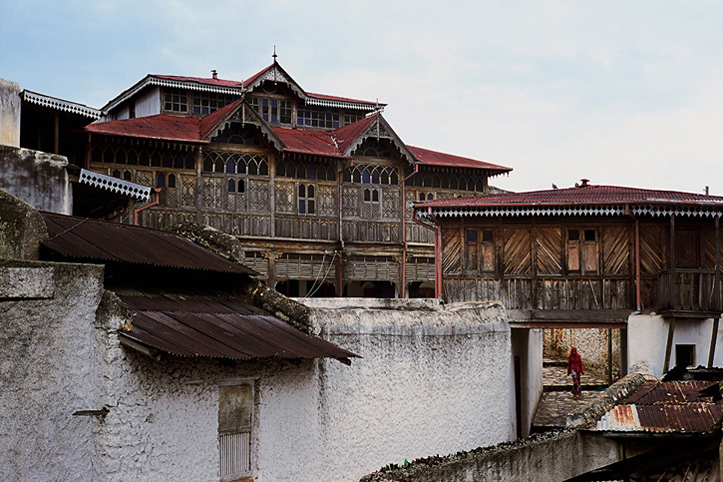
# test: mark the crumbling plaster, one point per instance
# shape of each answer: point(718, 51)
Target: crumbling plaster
point(36, 177)
point(10, 107)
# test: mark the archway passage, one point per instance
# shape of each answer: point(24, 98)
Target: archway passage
point(306, 288)
point(370, 289)
point(421, 289)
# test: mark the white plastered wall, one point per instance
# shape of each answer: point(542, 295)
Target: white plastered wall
point(648, 336)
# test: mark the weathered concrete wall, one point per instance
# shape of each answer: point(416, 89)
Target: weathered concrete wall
point(49, 361)
point(430, 382)
point(38, 178)
point(22, 229)
point(551, 457)
point(591, 343)
point(648, 336)
point(10, 106)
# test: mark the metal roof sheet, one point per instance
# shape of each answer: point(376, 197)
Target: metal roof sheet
point(665, 407)
point(219, 327)
point(434, 158)
point(84, 238)
point(160, 126)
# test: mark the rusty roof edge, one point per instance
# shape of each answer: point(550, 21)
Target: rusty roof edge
point(588, 416)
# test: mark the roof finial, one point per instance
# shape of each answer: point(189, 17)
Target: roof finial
point(274, 56)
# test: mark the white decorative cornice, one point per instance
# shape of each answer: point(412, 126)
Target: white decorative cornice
point(341, 104)
point(591, 210)
point(59, 104)
point(113, 184)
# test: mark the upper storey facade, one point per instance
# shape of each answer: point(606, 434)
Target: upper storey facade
point(295, 176)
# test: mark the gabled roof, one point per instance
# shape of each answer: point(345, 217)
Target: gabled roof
point(440, 159)
point(160, 127)
point(301, 141)
point(586, 200)
point(90, 239)
point(217, 327)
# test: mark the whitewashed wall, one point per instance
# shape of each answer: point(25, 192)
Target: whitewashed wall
point(430, 382)
point(648, 336)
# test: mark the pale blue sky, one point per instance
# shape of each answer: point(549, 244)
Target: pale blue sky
point(627, 93)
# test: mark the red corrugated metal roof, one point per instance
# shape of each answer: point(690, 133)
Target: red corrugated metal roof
point(664, 407)
point(346, 135)
point(201, 80)
point(219, 327)
point(162, 127)
point(434, 158)
point(92, 239)
point(303, 141)
point(209, 122)
point(591, 194)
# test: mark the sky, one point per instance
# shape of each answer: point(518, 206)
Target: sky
point(620, 92)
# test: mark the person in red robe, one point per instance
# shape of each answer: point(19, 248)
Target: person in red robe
point(574, 368)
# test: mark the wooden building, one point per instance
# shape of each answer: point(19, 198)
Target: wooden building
point(317, 188)
point(583, 256)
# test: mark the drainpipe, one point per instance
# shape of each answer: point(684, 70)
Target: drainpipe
point(638, 301)
point(156, 190)
point(437, 250)
point(404, 230)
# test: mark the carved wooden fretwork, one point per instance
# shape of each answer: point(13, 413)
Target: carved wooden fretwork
point(275, 75)
point(350, 206)
point(213, 193)
point(284, 197)
point(188, 191)
point(145, 178)
point(326, 201)
point(390, 203)
point(258, 196)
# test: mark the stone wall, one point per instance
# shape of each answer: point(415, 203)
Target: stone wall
point(10, 106)
point(549, 457)
point(38, 178)
point(591, 343)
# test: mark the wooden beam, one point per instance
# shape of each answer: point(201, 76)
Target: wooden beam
point(713, 338)
point(669, 345)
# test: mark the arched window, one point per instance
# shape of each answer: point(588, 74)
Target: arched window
point(231, 185)
point(161, 180)
point(230, 166)
point(241, 186)
point(127, 175)
point(116, 173)
point(171, 180)
point(306, 198)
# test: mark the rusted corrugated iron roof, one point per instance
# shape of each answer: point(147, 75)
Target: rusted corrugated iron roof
point(664, 407)
point(218, 327)
point(92, 239)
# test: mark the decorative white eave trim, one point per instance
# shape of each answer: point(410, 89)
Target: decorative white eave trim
point(113, 184)
point(585, 210)
point(342, 104)
point(180, 84)
point(60, 104)
point(381, 129)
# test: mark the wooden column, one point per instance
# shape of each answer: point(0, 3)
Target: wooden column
point(623, 352)
point(669, 345)
point(716, 294)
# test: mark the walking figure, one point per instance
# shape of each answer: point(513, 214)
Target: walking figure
point(574, 368)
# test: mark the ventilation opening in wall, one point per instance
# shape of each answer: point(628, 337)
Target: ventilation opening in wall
point(684, 355)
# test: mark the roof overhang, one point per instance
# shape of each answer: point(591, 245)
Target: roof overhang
point(519, 210)
point(60, 104)
point(245, 114)
point(216, 327)
point(151, 80)
point(379, 128)
point(113, 184)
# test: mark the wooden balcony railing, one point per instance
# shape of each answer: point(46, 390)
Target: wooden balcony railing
point(696, 290)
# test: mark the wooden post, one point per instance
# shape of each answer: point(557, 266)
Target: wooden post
point(669, 345)
point(623, 352)
point(672, 261)
point(716, 294)
point(610, 356)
